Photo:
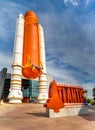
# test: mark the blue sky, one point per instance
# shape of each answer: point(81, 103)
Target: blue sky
point(69, 27)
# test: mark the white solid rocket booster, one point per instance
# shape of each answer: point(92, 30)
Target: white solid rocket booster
point(15, 95)
point(43, 92)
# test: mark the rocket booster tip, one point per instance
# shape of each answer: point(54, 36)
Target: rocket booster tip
point(20, 15)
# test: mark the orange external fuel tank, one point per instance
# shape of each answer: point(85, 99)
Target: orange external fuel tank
point(31, 66)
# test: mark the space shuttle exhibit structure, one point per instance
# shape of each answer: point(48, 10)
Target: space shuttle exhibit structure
point(31, 48)
point(28, 57)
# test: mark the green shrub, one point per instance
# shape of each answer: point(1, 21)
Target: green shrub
point(93, 103)
point(89, 100)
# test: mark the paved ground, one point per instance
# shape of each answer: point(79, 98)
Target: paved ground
point(32, 117)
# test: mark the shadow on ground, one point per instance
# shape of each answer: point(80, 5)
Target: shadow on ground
point(40, 114)
point(91, 107)
point(91, 115)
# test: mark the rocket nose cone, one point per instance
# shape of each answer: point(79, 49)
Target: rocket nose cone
point(30, 14)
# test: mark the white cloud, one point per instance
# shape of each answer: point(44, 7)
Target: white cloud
point(61, 75)
point(79, 2)
point(89, 87)
point(79, 54)
point(73, 2)
point(8, 14)
point(87, 1)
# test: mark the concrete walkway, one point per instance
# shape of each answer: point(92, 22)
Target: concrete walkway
point(32, 117)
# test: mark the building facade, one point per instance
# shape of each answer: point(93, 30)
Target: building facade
point(30, 88)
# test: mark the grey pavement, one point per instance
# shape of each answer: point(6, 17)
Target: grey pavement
point(32, 117)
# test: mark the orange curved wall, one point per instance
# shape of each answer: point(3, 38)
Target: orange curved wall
point(31, 50)
point(61, 94)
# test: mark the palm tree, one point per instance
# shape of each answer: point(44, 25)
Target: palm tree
point(85, 92)
point(93, 93)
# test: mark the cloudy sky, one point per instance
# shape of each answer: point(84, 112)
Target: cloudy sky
point(69, 27)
